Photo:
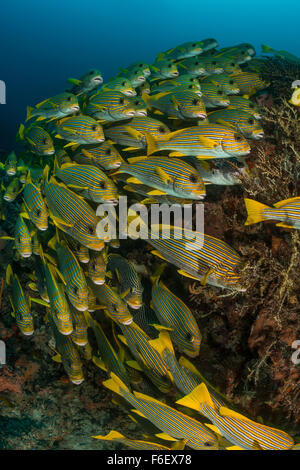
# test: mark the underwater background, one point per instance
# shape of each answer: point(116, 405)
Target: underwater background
point(246, 337)
point(43, 43)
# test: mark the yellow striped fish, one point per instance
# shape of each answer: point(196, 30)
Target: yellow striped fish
point(213, 95)
point(239, 120)
point(127, 279)
point(121, 84)
point(286, 211)
point(183, 51)
point(228, 85)
point(203, 141)
point(87, 82)
point(239, 102)
point(115, 436)
point(96, 269)
point(110, 106)
point(35, 204)
point(200, 66)
point(38, 140)
point(56, 107)
point(20, 306)
point(180, 104)
point(79, 334)
point(135, 75)
point(71, 214)
point(238, 429)
point(13, 190)
point(163, 69)
point(167, 419)
point(249, 83)
point(22, 238)
point(104, 156)
point(79, 130)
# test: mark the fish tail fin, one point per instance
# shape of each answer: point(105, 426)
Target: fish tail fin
point(197, 397)
point(111, 436)
point(254, 211)
point(152, 146)
point(116, 385)
point(21, 132)
point(46, 172)
point(265, 48)
point(163, 342)
point(9, 274)
point(29, 113)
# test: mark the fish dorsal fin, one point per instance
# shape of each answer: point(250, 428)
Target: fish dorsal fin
point(226, 412)
point(197, 397)
point(225, 123)
point(162, 342)
point(286, 201)
point(134, 365)
point(133, 132)
point(184, 362)
point(142, 396)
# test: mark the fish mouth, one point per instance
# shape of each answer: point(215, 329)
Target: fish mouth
point(28, 333)
point(99, 282)
point(75, 108)
point(201, 115)
point(199, 195)
point(116, 165)
point(81, 308)
point(130, 92)
point(257, 116)
point(80, 343)
point(127, 322)
point(174, 74)
point(130, 113)
point(134, 306)
point(235, 91)
point(43, 228)
point(219, 71)
point(77, 381)
point(147, 73)
point(84, 261)
point(25, 255)
point(11, 172)
point(258, 135)
point(67, 332)
point(114, 202)
point(224, 103)
point(141, 113)
point(100, 139)
point(141, 79)
point(7, 198)
point(98, 79)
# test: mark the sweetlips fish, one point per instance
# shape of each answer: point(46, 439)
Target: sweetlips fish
point(115, 436)
point(173, 313)
point(168, 86)
point(170, 421)
point(239, 102)
point(79, 334)
point(147, 354)
point(220, 172)
point(133, 133)
point(142, 66)
point(128, 281)
point(96, 269)
point(239, 120)
point(55, 107)
point(163, 69)
point(67, 354)
point(183, 79)
point(60, 310)
point(89, 181)
point(87, 82)
point(38, 280)
point(166, 175)
point(71, 274)
point(61, 156)
point(244, 48)
point(35, 205)
point(287, 212)
point(135, 75)
point(209, 44)
point(20, 306)
point(183, 51)
point(79, 130)
point(110, 106)
point(13, 190)
point(249, 83)
point(72, 214)
point(107, 358)
point(295, 98)
point(227, 84)
point(80, 251)
point(11, 163)
point(145, 88)
point(104, 156)
point(121, 84)
point(228, 64)
point(22, 238)
point(39, 141)
point(200, 66)
point(179, 104)
point(281, 54)
point(115, 307)
point(203, 141)
point(213, 95)
point(235, 427)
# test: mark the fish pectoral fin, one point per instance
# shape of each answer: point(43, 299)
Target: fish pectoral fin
point(56, 358)
point(207, 143)
point(165, 437)
point(130, 149)
point(234, 448)
point(135, 365)
point(206, 275)
point(136, 159)
point(157, 253)
point(282, 224)
point(224, 411)
point(156, 192)
point(176, 154)
point(186, 274)
point(99, 363)
point(133, 180)
point(163, 175)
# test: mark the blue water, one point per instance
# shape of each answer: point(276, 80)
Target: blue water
point(45, 42)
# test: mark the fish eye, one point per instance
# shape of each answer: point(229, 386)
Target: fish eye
point(190, 87)
point(121, 100)
point(38, 213)
point(101, 184)
point(141, 65)
point(193, 178)
point(232, 64)
point(94, 127)
point(45, 141)
point(220, 92)
point(196, 102)
point(161, 129)
point(170, 65)
point(208, 444)
point(243, 52)
point(123, 84)
point(75, 290)
point(214, 62)
point(196, 63)
point(194, 45)
point(136, 103)
point(90, 230)
point(78, 246)
point(238, 137)
point(251, 106)
point(250, 121)
point(69, 98)
point(108, 152)
point(91, 72)
point(231, 82)
point(189, 337)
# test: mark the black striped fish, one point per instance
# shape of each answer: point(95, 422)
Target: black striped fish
point(107, 358)
point(127, 280)
point(35, 205)
point(166, 175)
point(73, 276)
point(87, 82)
point(20, 306)
point(115, 436)
point(104, 156)
point(180, 104)
point(203, 141)
point(287, 212)
point(147, 354)
point(121, 84)
point(228, 85)
point(173, 313)
point(56, 107)
point(213, 95)
point(116, 308)
point(167, 419)
point(72, 214)
point(249, 83)
point(238, 429)
point(163, 69)
point(88, 181)
point(79, 130)
point(239, 120)
point(240, 102)
point(67, 354)
point(38, 140)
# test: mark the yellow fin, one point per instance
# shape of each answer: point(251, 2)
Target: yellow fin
point(157, 253)
point(196, 398)
point(225, 123)
point(233, 414)
point(162, 342)
point(207, 143)
point(136, 159)
point(156, 192)
point(56, 358)
point(286, 201)
point(112, 435)
point(165, 437)
point(184, 273)
point(133, 180)
point(165, 178)
point(133, 132)
point(234, 448)
point(151, 143)
point(254, 210)
point(176, 154)
point(213, 428)
point(184, 362)
point(282, 224)
point(134, 365)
